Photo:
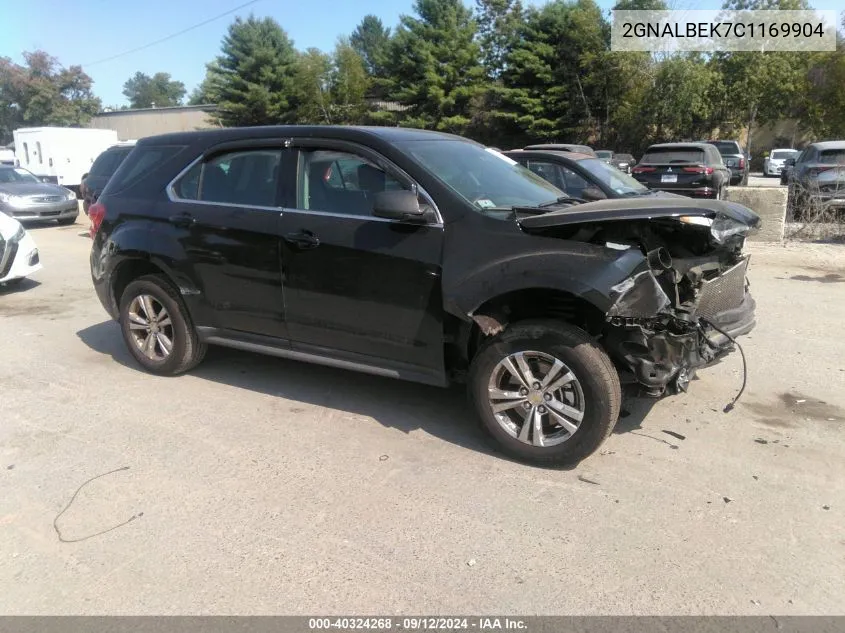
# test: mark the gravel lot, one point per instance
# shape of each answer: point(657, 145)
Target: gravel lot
point(260, 486)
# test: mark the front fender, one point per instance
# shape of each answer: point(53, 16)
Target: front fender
point(583, 270)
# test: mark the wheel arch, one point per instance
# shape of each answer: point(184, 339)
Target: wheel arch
point(507, 308)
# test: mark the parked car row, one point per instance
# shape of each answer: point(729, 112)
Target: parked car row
point(539, 277)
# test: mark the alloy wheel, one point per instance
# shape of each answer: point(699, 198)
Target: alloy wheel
point(536, 398)
point(151, 327)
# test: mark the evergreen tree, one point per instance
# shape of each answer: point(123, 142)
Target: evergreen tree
point(371, 40)
point(255, 74)
point(435, 65)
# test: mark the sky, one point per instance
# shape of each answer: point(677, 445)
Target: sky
point(85, 32)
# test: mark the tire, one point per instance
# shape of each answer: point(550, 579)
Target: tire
point(186, 350)
point(596, 378)
point(67, 221)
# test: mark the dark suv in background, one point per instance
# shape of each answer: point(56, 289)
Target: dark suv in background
point(735, 159)
point(421, 256)
point(691, 169)
point(102, 169)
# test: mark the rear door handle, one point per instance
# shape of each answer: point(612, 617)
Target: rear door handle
point(303, 239)
point(183, 219)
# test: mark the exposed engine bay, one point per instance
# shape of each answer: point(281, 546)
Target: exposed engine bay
point(686, 300)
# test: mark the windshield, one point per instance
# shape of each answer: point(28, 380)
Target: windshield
point(621, 183)
point(603, 154)
point(781, 154)
point(17, 175)
point(483, 177)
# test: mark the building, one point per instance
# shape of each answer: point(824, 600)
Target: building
point(136, 124)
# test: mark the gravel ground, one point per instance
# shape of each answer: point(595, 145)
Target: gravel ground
point(260, 486)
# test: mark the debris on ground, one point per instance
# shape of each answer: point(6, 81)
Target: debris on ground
point(673, 434)
point(760, 440)
point(588, 481)
point(755, 477)
point(384, 458)
point(471, 562)
point(727, 499)
point(825, 507)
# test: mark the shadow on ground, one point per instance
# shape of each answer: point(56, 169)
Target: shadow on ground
point(405, 406)
point(18, 285)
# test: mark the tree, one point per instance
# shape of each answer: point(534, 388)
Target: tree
point(349, 84)
point(498, 30)
point(370, 40)
point(160, 90)
point(208, 91)
point(313, 82)
point(42, 92)
point(254, 76)
point(434, 66)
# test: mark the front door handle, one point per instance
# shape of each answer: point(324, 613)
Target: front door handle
point(302, 239)
point(183, 220)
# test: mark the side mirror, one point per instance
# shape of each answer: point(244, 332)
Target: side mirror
point(398, 205)
point(789, 162)
point(593, 193)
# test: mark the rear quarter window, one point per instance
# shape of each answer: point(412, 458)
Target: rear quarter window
point(142, 161)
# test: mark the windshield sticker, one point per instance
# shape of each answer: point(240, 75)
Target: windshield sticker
point(498, 154)
point(484, 203)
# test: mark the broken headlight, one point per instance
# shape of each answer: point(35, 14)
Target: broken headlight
point(722, 227)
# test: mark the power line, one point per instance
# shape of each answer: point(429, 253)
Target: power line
point(170, 37)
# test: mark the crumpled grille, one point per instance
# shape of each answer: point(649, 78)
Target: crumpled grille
point(725, 292)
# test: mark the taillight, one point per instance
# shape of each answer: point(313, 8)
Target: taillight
point(742, 163)
point(642, 170)
point(698, 170)
point(96, 213)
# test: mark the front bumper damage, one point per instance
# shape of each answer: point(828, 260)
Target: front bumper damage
point(666, 324)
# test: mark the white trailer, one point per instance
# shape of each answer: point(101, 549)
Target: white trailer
point(61, 155)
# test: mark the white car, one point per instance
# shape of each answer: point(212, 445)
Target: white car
point(774, 163)
point(18, 253)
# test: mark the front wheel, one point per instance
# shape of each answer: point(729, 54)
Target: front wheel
point(157, 329)
point(546, 392)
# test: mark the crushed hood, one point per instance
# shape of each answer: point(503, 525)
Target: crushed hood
point(644, 208)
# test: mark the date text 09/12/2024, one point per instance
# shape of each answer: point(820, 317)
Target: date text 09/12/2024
point(417, 624)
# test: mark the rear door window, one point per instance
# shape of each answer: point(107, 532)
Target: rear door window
point(247, 178)
point(241, 178)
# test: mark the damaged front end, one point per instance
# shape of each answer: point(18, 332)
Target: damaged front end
point(687, 298)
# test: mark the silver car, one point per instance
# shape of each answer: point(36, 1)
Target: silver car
point(24, 197)
point(817, 176)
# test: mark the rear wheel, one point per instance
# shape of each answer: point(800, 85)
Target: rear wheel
point(545, 392)
point(157, 329)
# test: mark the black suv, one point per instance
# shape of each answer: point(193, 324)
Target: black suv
point(421, 256)
point(691, 169)
point(102, 169)
point(735, 159)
